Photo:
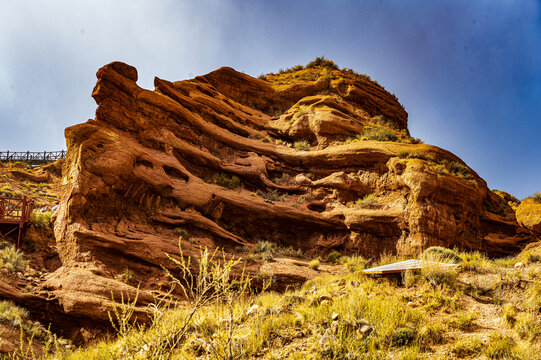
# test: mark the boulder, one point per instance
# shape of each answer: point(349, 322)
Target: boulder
point(529, 214)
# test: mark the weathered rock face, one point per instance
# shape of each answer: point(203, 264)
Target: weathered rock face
point(155, 161)
point(529, 214)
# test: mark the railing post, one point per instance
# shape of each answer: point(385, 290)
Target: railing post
point(44, 156)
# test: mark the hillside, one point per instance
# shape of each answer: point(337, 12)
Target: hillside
point(299, 180)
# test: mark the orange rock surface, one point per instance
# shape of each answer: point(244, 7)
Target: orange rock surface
point(529, 214)
point(150, 163)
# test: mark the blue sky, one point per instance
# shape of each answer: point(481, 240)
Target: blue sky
point(468, 72)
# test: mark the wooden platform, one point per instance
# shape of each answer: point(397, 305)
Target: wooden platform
point(402, 266)
point(14, 216)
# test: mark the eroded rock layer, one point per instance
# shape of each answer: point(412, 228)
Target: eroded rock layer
point(210, 157)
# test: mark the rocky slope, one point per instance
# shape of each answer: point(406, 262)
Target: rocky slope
point(227, 160)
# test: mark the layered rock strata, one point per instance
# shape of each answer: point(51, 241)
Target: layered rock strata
point(212, 158)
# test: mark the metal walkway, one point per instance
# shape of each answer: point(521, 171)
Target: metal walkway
point(33, 157)
point(403, 266)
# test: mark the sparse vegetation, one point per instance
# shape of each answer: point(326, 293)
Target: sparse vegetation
point(509, 199)
point(403, 336)
point(467, 347)
point(323, 318)
point(225, 180)
point(312, 71)
point(182, 234)
point(272, 195)
point(128, 275)
point(365, 201)
point(464, 320)
point(314, 264)
point(322, 62)
point(13, 314)
point(437, 271)
point(441, 253)
point(383, 130)
point(18, 318)
point(41, 219)
point(537, 197)
point(333, 257)
point(443, 166)
point(499, 347)
point(378, 133)
point(12, 259)
point(302, 145)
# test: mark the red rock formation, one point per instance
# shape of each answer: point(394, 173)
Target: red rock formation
point(143, 167)
point(529, 214)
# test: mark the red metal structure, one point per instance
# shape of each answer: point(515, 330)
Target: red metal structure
point(14, 216)
point(40, 157)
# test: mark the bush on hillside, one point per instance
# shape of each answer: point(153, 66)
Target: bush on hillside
point(322, 63)
point(439, 252)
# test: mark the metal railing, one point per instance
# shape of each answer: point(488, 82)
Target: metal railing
point(15, 210)
point(32, 157)
point(15, 214)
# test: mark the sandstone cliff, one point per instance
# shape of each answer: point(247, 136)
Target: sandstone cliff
point(231, 160)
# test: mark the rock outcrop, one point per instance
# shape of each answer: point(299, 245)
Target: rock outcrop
point(529, 214)
point(228, 160)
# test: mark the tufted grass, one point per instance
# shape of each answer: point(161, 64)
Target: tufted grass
point(12, 259)
point(409, 322)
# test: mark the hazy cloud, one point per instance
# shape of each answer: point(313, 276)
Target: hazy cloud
point(468, 72)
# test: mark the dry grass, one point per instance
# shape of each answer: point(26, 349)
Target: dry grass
point(434, 316)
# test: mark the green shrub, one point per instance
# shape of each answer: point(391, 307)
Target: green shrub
point(464, 320)
point(409, 278)
point(499, 347)
point(403, 336)
point(291, 69)
point(436, 272)
point(476, 261)
point(302, 145)
point(367, 200)
point(321, 62)
point(41, 219)
point(439, 252)
point(467, 347)
point(432, 333)
point(378, 133)
point(458, 169)
point(533, 297)
point(527, 326)
point(353, 263)
point(12, 259)
point(537, 197)
point(314, 264)
point(403, 154)
point(333, 257)
point(265, 247)
point(509, 314)
point(225, 180)
point(13, 314)
point(128, 275)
